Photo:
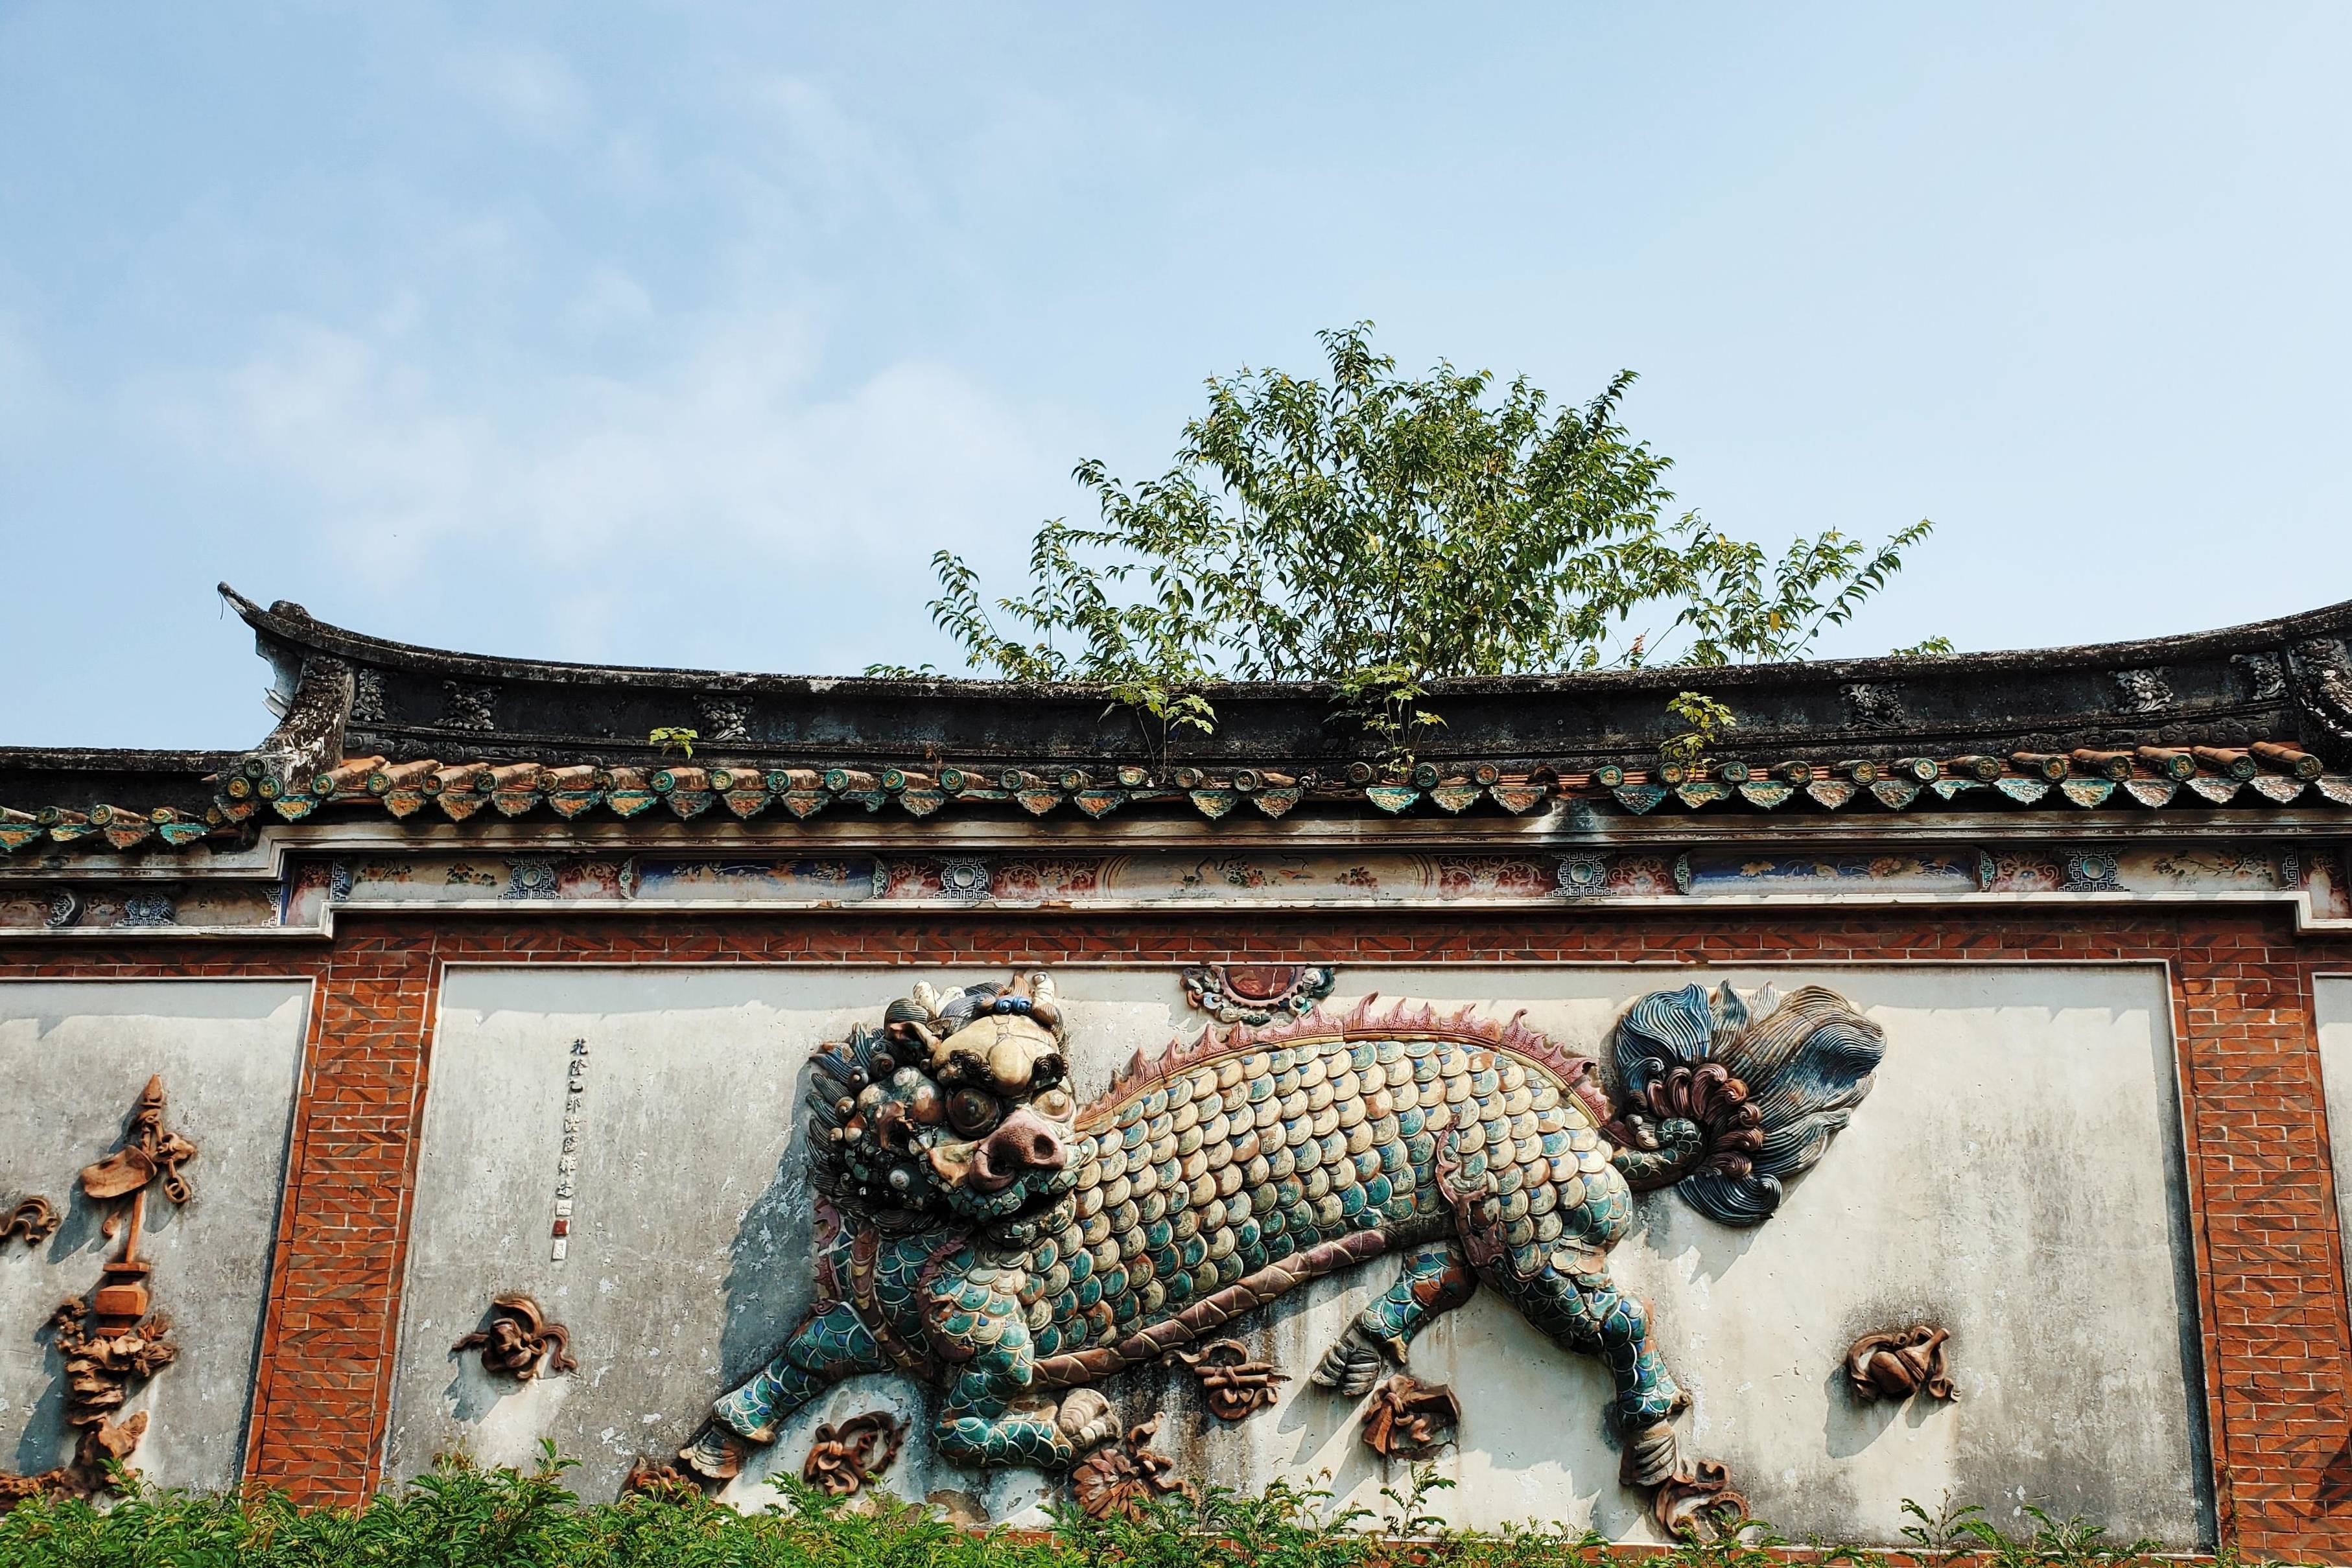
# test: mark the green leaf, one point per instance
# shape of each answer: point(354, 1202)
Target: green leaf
point(1379, 531)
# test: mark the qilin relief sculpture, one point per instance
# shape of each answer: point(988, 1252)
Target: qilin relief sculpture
point(983, 1230)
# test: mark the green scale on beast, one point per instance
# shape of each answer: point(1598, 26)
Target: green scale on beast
point(982, 1232)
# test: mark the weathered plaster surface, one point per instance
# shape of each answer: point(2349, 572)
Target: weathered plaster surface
point(2331, 998)
point(74, 1055)
point(2013, 1176)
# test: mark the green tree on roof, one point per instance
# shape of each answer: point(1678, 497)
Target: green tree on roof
point(1379, 532)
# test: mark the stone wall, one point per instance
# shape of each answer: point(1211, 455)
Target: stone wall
point(2014, 1177)
point(2268, 1282)
point(74, 1056)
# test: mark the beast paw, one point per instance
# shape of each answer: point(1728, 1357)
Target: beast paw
point(1651, 1456)
point(1350, 1367)
point(715, 1454)
point(1085, 1418)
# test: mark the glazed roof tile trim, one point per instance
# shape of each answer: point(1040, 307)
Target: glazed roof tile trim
point(2252, 717)
point(2152, 779)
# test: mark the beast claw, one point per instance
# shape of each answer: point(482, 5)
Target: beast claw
point(715, 1454)
point(1350, 1367)
point(1651, 1456)
point(1085, 1419)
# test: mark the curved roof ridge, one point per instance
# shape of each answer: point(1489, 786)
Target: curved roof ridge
point(290, 623)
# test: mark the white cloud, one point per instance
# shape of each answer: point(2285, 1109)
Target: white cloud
point(530, 89)
point(29, 397)
point(611, 300)
point(726, 445)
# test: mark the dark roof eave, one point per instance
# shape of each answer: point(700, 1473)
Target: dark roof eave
point(112, 759)
point(290, 625)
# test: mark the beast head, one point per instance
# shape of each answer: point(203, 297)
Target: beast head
point(956, 1109)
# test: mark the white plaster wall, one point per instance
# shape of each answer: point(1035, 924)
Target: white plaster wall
point(74, 1055)
point(2332, 1010)
point(2014, 1176)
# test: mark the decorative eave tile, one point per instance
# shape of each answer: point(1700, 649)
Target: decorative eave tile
point(1214, 803)
point(1098, 803)
point(1639, 799)
point(1517, 799)
point(1275, 802)
point(1894, 794)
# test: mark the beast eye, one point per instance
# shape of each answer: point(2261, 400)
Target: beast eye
point(1056, 1103)
point(971, 1113)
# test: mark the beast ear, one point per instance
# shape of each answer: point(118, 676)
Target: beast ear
point(1045, 1001)
point(1780, 1076)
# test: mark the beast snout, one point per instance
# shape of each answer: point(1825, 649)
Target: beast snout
point(1024, 1142)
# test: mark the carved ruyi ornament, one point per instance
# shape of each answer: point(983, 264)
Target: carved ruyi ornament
point(1119, 1480)
point(846, 1458)
point(34, 1218)
point(519, 1342)
point(1410, 1419)
point(111, 1341)
point(1701, 1497)
point(647, 1479)
point(1899, 1363)
point(1258, 993)
point(1233, 1387)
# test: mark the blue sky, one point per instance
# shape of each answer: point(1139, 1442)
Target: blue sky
point(684, 334)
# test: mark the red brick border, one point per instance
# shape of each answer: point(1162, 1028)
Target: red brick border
point(2271, 1284)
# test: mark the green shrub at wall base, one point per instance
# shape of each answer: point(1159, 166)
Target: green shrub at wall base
point(460, 1516)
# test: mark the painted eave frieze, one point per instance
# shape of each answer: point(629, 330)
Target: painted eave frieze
point(2212, 766)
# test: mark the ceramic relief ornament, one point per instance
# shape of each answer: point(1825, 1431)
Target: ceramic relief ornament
point(518, 1341)
point(32, 1219)
point(984, 1232)
point(1895, 1364)
point(1409, 1420)
point(1233, 1385)
point(845, 1459)
point(1258, 993)
point(1123, 1478)
point(112, 1341)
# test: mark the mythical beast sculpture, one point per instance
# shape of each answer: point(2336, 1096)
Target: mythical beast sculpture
point(981, 1230)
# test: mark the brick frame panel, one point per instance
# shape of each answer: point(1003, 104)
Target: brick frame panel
point(2270, 1273)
